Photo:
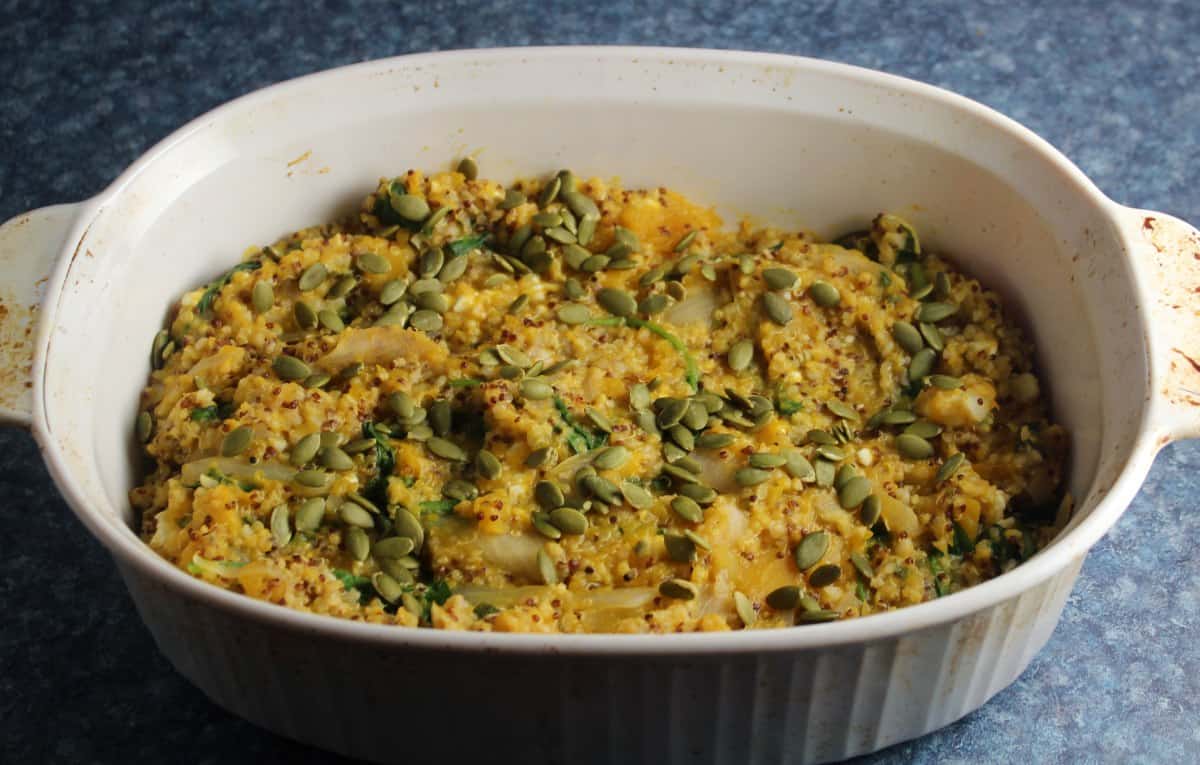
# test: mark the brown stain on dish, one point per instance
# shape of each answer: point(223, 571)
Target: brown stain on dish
point(1175, 247)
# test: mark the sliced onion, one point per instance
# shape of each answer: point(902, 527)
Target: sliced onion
point(239, 470)
point(513, 553)
point(377, 345)
point(698, 306)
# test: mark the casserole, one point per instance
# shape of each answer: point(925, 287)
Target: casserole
point(1106, 291)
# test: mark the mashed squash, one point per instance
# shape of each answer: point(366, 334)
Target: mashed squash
point(566, 406)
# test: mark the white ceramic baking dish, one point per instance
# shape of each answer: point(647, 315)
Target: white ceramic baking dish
point(1107, 291)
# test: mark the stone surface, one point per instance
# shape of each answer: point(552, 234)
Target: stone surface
point(86, 87)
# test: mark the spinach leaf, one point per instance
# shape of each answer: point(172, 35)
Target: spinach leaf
point(460, 247)
point(205, 414)
point(438, 506)
point(205, 304)
point(385, 463)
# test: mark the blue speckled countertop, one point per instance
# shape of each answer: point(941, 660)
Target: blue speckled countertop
point(86, 87)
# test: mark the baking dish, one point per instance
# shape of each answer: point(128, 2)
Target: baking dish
point(1107, 291)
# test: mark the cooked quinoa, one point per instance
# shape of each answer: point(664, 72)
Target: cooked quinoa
point(566, 406)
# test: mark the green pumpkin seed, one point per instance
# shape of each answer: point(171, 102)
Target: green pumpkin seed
point(949, 467)
point(430, 263)
point(687, 264)
point(143, 427)
point(439, 416)
point(310, 514)
point(468, 168)
point(334, 458)
point(746, 477)
point(393, 547)
point(784, 598)
point(766, 461)
point(586, 229)
point(397, 569)
point(797, 466)
point(778, 278)
point(897, 417)
point(518, 304)
point(934, 312)
point(536, 389)
point(682, 436)
point(460, 490)
point(870, 511)
point(679, 548)
point(907, 337)
point(550, 191)
point(680, 474)
point(745, 609)
point(598, 419)
point(512, 198)
point(426, 320)
point(402, 405)
point(854, 492)
point(945, 382)
point(448, 450)
point(670, 411)
point(548, 495)
point(387, 587)
point(236, 441)
point(697, 540)
point(559, 234)
point(358, 544)
point(825, 575)
point(824, 294)
point(455, 267)
point(817, 617)
point(540, 520)
point(372, 263)
point(652, 304)
point(547, 219)
point(923, 429)
point(714, 440)
point(823, 471)
point(913, 447)
point(601, 488)
point(546, 568)
point(341, 288)
point(678, 589)
point(510, 372)
point(411, 207)
point(811, 549)
point(487, 464)
point(533, 247)
point(573, 313)
point(407, 525)
point(281, 528)
point(305, 316)
point(262, 297)
point(636, 496)
point(831, 453)
point(921, 364)
point(354, 515)
point(687, 509)
point(639, 397)
point(330, 320)
point(541, 457)
point(696, 416)
point(573, 289)
point(820, 437)
point(431, 301)
point(741, 354)
point(862, 565)
point(843, 476)
point(617, 302)
point(676, 291)
point(161, 338)
point(580, 204)
point(611, 458)
point(568, 520)
point(932, 336)
point(514, 356)
point(685, 241)
point(776, 308)
point(314, 276)
point(842, 409)
point(419, 433)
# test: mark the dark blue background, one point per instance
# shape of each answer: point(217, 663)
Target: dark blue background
point(87, 87)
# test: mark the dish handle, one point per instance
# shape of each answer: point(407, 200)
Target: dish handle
point(29, 247)
point(1167, 255)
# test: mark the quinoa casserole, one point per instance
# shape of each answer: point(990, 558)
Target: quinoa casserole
point(565, 406)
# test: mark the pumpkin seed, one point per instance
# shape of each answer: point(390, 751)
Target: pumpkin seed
point(670, 411)
point(334, 458)
point(677, 291)
point(862, 565)
point(407, 525)
point(945, 382)
point(842, 409)
point(426, 320)
point(697, 540)
point(679, 548)
point(897, 417)
point(411, 207)
point(854, 492)
point(548, 495)
point(535, 389)
point(652, 304)
point(487, 464)
point(907, 337)
point(870, 511)
point(776, 308)
point(460, 490)
point(935, 312)
point(680, 474)
point(745, 609)
point(402, 405)
point(714, 440)
point(550, 191)
point(330, 320)
point(601, 488)
point(843, 476)
point(949, 467)
point(393, 547)
point(682, 436)
point(568, 520)
point(514, 356)
point(547, 219)
point(617, 302)
point(797, 466)
point(468, 168)
point(933, 336)
point(639, 397)
point(419, 433)
point(262, 297)
point(580, 204)
point(144, 427)
point(573, 313)
point(598, 419)
point(611, 458)
point(784, 598)
point(305, 316)
point(924, 429)
point(310, 514)
point(430, 263)
point(342, 286)
point(678, 589)
point(741, 354)
point(685, 241)
point(746, 477)
point(372, 263)
point(636, 496)
point(766, 461)
point(455, 267)
point(823, 471)
point(824, 294)
point(831, 453)
point(687, 509)
point(512, 198)
point(586, 229)
point(825, 575)
point(573, 289)
point(921, 364)
point(161, 338)
point(354, 515)
point(281, 528)
point(314, 276)
point(449, 450)
point(539, 457)
point(439, 416)
point(913, 447)
point(358, 544)
point(815, 436)
point(546, 568)
point(811, 549)
point(387, 587)
point(540, 521)
point(778, 278)
point(236, 441)
point(817, 617)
